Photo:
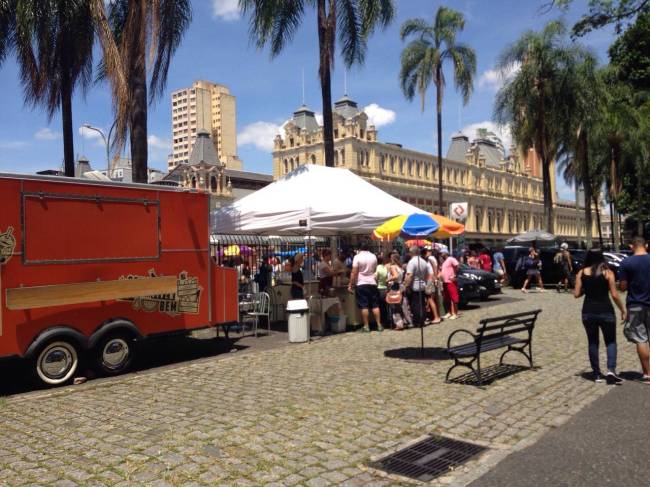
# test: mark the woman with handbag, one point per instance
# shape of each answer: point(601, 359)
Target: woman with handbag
point(431, 287)
point(596, 282)
point(398, 305)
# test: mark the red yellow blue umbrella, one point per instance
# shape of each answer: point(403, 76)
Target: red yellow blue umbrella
point(418, 225)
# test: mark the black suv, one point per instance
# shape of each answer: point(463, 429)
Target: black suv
point(551, 272)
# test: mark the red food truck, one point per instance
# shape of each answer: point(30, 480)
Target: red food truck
point(89, 268)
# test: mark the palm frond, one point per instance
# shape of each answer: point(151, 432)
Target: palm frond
point(412, 58)
point(7, 16)
point(464, 61)
point(174, 17)
point(418, 27)
point(375, 13)
point(350, 34)
point(447, 24)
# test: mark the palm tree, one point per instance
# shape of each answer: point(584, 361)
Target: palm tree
point(53, 40)
point(130, 32)
point(534, 101)
point(576, 150)
point(423, 61)
point(274, 22)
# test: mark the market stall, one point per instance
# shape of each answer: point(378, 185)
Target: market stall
point(313, 201)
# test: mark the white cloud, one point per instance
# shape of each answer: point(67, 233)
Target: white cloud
point(259, 134)
point(503, 132)
point(47, 134)
point(12, 144)
point(379, 116)
point(158, 143)
point(494, 79)
point(227, 10)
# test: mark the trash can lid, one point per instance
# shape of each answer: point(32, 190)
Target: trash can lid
point(297, 305)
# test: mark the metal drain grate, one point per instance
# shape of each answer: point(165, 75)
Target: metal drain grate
point(429, 458)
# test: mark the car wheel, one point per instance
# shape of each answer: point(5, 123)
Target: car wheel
point(114, 353)
point(57, 362)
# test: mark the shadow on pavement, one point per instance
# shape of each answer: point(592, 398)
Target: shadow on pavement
point(489, 374)
point(417, 354)
point(17, 376)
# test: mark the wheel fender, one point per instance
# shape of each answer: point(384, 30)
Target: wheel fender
point(113, 325)
point(58, 332)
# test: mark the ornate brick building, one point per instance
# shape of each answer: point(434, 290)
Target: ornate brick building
point(504, 193)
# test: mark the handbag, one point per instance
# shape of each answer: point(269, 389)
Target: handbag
point(394, 295)
point(430, 287)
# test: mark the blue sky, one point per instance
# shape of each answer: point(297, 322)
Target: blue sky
point(217, 48)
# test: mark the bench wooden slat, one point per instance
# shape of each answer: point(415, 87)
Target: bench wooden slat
point(506, 332)
point(469, 349)
point(508, 324)
point(516, 315)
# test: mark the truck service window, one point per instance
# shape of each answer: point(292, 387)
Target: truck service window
point(69, 228)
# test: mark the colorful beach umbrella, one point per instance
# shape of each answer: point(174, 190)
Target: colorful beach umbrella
point(418, 225)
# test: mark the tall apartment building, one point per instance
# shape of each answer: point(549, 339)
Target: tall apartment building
point(207, 106)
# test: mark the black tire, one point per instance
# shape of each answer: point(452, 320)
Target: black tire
point(114, 353)
point(57, 361)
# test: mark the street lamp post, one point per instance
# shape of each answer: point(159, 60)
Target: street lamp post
point(107, 141)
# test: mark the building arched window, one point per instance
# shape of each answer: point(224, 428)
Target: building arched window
point(213, 184)
point(401, 165)
point(313, 159)
point(382, 162)
point(392, 164)
point(410, 165)
point(286, 166)
point(194, 182)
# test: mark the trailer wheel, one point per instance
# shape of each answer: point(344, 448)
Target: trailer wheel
point(114, 353)
point(57, 362)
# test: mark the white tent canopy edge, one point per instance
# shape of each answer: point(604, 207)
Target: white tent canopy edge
point(311, 200)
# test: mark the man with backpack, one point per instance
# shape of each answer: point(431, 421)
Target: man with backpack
point(563, 260)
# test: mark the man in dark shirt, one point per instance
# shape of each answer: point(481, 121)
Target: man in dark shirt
point(635, 279)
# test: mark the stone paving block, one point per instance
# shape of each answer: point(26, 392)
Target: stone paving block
point(298, 414)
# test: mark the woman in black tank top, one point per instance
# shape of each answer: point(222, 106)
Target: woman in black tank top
point(596, 282)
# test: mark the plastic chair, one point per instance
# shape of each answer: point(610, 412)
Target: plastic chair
point(261, 307)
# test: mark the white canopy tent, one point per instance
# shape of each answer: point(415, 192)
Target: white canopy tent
point(311, 200)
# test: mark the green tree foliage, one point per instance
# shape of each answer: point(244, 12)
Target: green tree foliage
point(423, 61)
point(536, 101)
point(53, 43)
point(603, 12)
point(274, 23)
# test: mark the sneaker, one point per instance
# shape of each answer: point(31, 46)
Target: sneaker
point(613, 379)
point(365, 329)
point(447, 316)
point(380, 328)
point(645, 379)
point(453, 317)
point(427, 321)
point(598, 378)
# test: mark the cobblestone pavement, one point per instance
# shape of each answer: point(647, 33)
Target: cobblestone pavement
point(305, 414)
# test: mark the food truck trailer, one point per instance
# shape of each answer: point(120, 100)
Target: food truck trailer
point(89, 268)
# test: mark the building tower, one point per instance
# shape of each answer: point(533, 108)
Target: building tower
point(204, 106)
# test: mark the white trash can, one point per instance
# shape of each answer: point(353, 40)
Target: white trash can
point(298, 320)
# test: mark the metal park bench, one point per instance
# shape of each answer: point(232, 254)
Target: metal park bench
point(514, 332)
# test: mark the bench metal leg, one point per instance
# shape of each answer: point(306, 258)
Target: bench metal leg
point(521, 350)
point(460, 363)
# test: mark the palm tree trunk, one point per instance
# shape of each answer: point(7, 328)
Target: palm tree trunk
point(598, 223)
point(612, 219)
point(138, 90)
point(66, 119)
point(586, 185)
point(325, 36)
point(441, 208)
point(546, 166)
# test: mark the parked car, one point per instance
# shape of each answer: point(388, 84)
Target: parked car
point(468, 290)
point(551, 272)
point(613, 260)
point(488, 281)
